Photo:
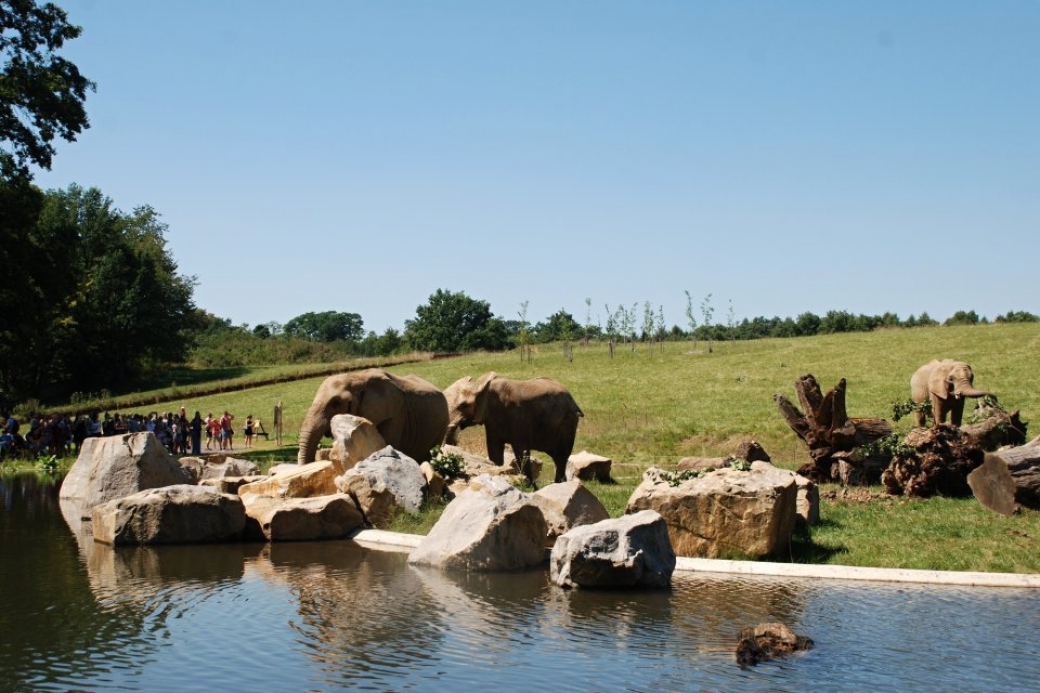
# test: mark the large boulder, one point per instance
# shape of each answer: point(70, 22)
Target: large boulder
point(489, 526)
point(586, 466)
point(723, 513)
point(630, 551)
point(567, 505)
point(301, 519)
point(217, 467)
point(296, 481)
point(353, 439)
point(384, 484)
point(180, 514)
point(111, 467)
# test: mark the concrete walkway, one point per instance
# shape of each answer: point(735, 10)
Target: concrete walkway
point(393, 541)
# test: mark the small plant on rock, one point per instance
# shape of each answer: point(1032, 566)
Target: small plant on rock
point(447, 464)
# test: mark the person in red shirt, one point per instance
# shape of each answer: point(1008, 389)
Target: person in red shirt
point(227, 431)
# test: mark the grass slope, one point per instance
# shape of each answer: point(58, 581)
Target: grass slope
point(647, 408)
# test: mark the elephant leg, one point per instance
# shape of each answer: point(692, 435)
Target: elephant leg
point(957, 411)
point(561, 468)
point(496, 448)
point(938, 410)
point(919, 418)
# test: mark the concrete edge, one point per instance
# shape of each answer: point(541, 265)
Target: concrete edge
point(394, 541)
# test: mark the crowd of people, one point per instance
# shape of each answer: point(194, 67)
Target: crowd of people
point(61, 435)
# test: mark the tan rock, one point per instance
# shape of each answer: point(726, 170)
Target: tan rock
point(725, 512)
point(296, 481)
point(353, 439)
point(490, 526)
point(301, 519)
point(587, 466)
point(170, 515)
point(567, 505)
point(111, 467)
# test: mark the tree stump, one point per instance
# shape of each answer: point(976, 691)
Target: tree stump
point(933, 461)
point(832, 436)
point(1008, 479)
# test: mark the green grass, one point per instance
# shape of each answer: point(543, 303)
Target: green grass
point(645, 409)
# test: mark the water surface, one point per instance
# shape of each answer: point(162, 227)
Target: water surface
point(329, 616)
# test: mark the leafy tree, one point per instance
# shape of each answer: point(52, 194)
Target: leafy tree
point(327, 326)
point(560, 327)
point(104, 299)
point(452, 322)
point(963, 318)
point(41, 93)
point(807, 324)
point(1017, 316)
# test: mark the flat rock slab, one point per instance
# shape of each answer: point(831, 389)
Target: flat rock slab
point(301, 519)
point(182, 514)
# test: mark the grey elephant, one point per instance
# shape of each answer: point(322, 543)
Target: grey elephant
point(410, 413)
point(947, 382)
point(537, 414)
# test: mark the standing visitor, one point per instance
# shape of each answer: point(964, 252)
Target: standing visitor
point(196, 434)
point(227, 431)
point(248, 431)
point(214, 432)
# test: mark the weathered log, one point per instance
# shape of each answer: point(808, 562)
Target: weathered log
point(999, 429)
point(1008, 479)
point(827, 429)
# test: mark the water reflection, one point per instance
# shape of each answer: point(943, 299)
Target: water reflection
point(329, 616)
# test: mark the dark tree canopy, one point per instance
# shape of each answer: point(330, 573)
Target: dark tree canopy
point(97, 300)
point(327, 326)
point(41, 93)
point(453, 322)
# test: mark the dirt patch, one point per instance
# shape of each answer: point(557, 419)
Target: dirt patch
point(855, 494)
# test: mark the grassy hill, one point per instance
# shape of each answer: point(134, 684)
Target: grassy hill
point(647, 408)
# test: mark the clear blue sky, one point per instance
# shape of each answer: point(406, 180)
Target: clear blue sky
point(782, 156)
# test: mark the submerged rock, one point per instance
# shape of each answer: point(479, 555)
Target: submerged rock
point(767, 641)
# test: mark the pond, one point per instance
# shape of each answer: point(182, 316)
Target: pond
point(330, 616)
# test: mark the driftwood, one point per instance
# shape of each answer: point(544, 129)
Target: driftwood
point(832, 436)
point(1009, 478)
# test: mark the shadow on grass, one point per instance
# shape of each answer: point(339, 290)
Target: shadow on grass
point(805, 550)
point(186, 377)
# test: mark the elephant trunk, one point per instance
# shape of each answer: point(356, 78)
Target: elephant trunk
point(314, 428)
point(968, 390)
point(451, 437)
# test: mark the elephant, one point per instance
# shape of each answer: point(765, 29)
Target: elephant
point(948, 382)
point(410, 413)
point(536, 414)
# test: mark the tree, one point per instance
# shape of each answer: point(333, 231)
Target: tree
point(707, 311)
point(104, 299)
point(523, 334)
point(41, 93)
point(327, 326)
point(452, 322)
point(691, 320)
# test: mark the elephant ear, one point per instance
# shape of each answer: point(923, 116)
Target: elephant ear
point(485, 380)
point(939, 382)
